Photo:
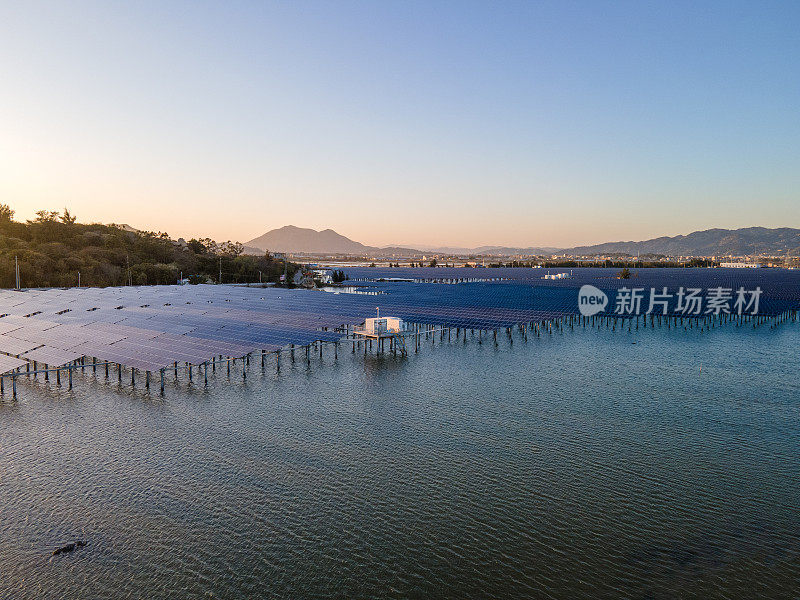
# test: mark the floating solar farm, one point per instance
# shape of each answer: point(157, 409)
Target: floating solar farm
point(153, 330)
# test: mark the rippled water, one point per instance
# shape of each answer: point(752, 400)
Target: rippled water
point(575, 465)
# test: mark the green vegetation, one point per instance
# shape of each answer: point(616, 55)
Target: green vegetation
point(53, 248)
point(339, 276)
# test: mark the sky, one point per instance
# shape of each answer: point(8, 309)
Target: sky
point(438, 123)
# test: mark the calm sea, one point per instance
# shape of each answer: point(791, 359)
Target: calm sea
point(590, 463)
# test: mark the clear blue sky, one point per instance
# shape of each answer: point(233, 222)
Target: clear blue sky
point(460, 123)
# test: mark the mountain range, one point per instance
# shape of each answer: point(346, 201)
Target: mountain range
point(711, 242)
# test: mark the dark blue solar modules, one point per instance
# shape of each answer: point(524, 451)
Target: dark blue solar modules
point(523, 295)
point(151, 327)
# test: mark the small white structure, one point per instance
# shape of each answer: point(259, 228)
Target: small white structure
point(309, 277)
point(380, 329)
point(323, 276)
point(557, 276)
point(382, 326)
point(740, 265)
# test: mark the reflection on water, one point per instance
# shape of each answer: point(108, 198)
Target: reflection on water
point(574, 465)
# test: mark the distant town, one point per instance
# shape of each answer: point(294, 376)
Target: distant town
point(552, 261)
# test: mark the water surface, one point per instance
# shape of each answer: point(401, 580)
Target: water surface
point(580, 464)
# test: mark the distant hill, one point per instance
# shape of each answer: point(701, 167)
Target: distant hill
point(252, 251)
point(711, 242)
point(309, 241)
point(299, 239)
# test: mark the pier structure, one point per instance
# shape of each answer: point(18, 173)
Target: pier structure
point(13, 369)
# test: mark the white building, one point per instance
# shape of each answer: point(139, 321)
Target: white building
point(323, 276)
point(739, 265)
point(382, 325)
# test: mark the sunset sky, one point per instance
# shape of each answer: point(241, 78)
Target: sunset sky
point(458, 123)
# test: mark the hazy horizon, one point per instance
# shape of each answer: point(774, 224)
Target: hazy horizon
point(382, 243)
point(426, 246)
point(411, 245)
point(436, 124)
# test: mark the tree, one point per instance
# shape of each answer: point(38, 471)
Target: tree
point(67, 218)
point(197, 246)
point(53, 248)
point(433, 263)
point(46, 216)
point(6, 213)
point(233, 249)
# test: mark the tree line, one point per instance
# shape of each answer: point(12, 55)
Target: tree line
point(53, 248)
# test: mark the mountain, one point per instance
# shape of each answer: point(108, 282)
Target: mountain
point(711, 242)
point(298, 239)
point(309, 241)
point(301, 240)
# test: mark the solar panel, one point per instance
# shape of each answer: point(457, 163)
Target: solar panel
point(8, 363)
point(7, 326)
point(53, 357)
point(16, 346)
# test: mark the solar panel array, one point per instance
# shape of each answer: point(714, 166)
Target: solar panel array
point(522, 295)
point(150, 328)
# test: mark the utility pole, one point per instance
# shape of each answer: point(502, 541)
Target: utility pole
point(79, 279)
point(220, 270)
point(259, 277)
point(16, 270)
